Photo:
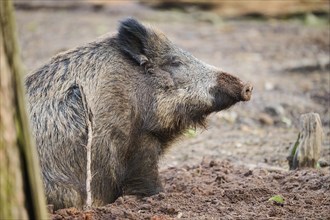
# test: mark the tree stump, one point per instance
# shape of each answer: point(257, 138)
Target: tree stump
point(306, 150)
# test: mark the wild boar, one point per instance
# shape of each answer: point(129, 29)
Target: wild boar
point(103, 114)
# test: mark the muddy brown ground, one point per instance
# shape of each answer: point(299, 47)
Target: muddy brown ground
point(220, 190)
point(231, 169)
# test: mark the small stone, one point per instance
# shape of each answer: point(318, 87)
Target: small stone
point(171, 211)
point(179, 215)
point(120, 201)
point(212, 163)
point(145, 207)
point(276, 110)
point(214, 201)
point(230, 117)
point(161, 195)
point(287, 121)
point(194, 191)
point(249, 173)
point(266, 119)
point(149, 200)
point(168, 210)
point(269, 86)
point(221, 179)
point(323, 163)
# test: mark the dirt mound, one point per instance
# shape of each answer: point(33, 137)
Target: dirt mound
point(214, 190)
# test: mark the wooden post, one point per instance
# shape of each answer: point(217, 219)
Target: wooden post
point(306, 150)
point(21, 189)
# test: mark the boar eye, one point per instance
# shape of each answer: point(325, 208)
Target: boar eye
point(176, 63)
point(172, 61)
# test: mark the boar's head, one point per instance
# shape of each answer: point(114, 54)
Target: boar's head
point(186, 89)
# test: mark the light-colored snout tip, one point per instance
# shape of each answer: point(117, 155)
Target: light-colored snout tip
point(247, 92)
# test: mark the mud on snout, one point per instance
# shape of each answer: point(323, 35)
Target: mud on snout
point(229, 90)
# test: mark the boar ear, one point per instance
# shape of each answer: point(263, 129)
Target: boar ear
point(132, 38)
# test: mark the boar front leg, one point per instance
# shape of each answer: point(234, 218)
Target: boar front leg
point(141, 177)
point(125, 167)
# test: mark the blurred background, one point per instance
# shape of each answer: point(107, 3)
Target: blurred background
point(281, 47)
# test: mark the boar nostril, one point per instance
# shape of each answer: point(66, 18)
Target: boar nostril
point(249, 89)
point(247, 92)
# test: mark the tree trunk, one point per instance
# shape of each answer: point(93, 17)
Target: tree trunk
point(21, 190)
point(306, 150)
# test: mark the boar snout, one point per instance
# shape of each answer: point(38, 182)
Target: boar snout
point(247, 92)
point(229, 90)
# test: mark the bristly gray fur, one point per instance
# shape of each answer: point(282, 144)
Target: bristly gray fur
point(140, 92)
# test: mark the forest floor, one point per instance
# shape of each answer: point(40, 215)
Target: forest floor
point(231, 169)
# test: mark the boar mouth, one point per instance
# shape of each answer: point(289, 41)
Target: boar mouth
point(224, 99)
